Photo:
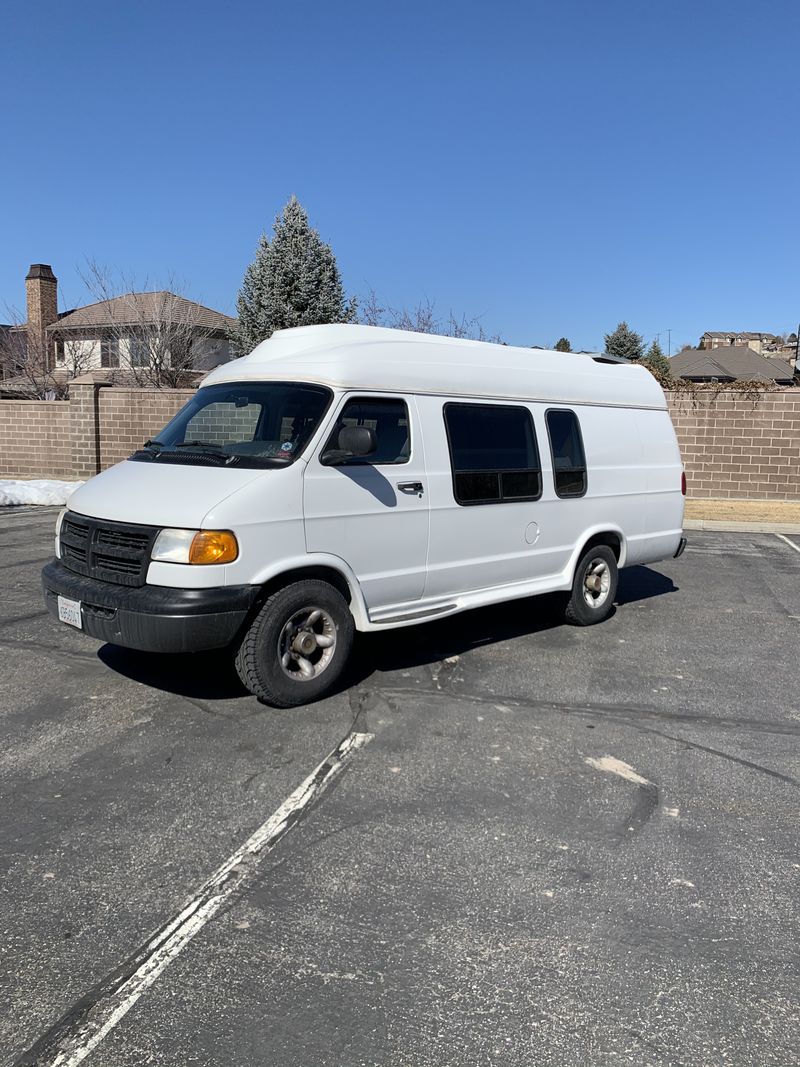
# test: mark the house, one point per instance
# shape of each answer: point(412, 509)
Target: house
point(728, 364)
point(759, 342)
point(133, 332)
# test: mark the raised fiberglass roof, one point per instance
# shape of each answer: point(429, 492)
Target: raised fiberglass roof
point(374, 359)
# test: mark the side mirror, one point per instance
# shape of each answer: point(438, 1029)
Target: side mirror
point(354, 442)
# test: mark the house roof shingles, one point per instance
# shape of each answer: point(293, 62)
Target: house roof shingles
point(134, 309)
point(729, 363)
point(741, 333)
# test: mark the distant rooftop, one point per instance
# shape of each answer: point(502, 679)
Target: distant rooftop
point(729, 363)
point(741, 333)
point(133, 309)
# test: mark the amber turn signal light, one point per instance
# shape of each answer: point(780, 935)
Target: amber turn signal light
point(213, 546)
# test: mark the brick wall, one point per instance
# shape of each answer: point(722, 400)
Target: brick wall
point(732, 447)
point(739, 448)
point(128, 417)
point(35, 439)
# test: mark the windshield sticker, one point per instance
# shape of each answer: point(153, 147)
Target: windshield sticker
point(287, 446)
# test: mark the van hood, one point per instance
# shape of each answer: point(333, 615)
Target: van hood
point(154, 494)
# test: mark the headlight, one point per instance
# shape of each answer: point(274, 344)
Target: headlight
point(59, 520)
point(195, 546)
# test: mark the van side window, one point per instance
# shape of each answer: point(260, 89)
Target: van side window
point(389, 420)
point(566, 446)
point(493, 453)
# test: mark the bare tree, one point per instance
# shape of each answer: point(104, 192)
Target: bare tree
point(28, 359)
point(155, 336)
point(421, 319)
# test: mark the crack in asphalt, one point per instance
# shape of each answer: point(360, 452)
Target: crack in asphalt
point(749, 764)
point(611, 714)
point(203, 706)
point(38, 646)
point(622, 712)
point(23, 618)
point(21, 562)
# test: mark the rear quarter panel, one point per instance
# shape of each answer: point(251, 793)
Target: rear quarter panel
point(663, 467)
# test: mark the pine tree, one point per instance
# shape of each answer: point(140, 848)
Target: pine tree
point(293, 281)
point(655, 360)
point(563, 345)
point(624, 342)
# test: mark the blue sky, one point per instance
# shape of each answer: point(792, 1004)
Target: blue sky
point(549, 167)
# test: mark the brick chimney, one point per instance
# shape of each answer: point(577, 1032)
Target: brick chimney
point(41, 291)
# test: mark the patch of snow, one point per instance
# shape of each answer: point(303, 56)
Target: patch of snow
point(44, 491)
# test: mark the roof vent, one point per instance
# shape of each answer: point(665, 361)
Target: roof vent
point(607, 357)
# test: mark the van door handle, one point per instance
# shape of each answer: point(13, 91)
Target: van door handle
point(410, 487)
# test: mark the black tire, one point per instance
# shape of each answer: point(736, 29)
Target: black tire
point(259, 661)
point(598, 562)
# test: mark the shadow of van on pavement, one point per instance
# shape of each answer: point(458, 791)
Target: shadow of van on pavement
point(212, 675)
point(202, 675)
point(427, 643)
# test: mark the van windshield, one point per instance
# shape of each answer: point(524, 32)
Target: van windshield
point(247, 424)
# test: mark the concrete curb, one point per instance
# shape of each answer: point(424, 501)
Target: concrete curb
point(732, 526)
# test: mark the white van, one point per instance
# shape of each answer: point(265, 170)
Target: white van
point(344, 478)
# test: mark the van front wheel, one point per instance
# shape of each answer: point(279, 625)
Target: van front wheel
point(297, 645)
point(594, 587)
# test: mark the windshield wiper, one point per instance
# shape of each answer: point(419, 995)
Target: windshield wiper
point(153, 444)
point(207, 446)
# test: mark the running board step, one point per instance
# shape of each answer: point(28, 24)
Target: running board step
point(410, 616)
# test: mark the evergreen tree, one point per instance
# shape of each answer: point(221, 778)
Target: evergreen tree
point(655, 360)
point(293, 281)
point(624, 342)
point(563, 345)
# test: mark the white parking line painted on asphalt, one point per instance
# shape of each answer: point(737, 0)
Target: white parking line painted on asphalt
point(612, 765)
point(68, 1045)
point(783, 537)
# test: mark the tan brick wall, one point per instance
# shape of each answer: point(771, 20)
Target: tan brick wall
point(128, 417)
point(35, 439)
point(737, 448)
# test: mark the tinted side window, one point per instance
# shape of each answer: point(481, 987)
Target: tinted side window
point(389, 420)
point(569, 460)
point(493, 453)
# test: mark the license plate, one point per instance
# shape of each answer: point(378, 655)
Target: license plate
point(69, 611)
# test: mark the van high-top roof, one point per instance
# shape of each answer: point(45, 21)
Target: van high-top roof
point(373, 359)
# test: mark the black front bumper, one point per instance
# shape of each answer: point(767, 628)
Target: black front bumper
point(152, 618)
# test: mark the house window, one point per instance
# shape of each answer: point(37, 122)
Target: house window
point(566, 447)
point(109, 352)
point(493, 454)
point(60, 357)
point(389, 420)
point(139, 352)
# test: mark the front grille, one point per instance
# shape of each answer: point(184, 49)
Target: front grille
point(111, 551)
point(120, 566)
point(109, 538)
point(77, 532)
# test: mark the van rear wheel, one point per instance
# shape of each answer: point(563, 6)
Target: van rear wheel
point(298, 644)
point(594, 587)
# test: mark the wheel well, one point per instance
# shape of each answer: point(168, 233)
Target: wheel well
point(321, 573)
point(607, 538)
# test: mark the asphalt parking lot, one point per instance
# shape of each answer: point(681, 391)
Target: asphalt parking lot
point(560, 846)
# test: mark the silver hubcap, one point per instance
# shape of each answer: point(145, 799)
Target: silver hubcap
point(306, 644)
point(596, 583)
